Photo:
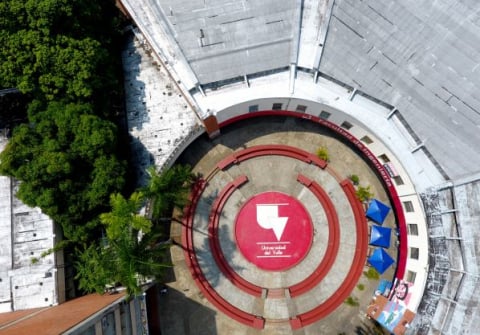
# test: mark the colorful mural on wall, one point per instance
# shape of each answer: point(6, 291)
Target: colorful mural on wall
point(390, 309)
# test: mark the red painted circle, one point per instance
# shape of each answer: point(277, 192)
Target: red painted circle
point(273, 231)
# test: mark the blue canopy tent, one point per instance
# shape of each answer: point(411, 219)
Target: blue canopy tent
point(380, 260)
point(377, 211)
point(380, 236)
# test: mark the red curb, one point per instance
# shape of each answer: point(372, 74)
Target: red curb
point(332, 218)
point(187, 238)
point(318, 312)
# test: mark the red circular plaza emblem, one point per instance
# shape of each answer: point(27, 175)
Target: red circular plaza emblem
point(273, 231)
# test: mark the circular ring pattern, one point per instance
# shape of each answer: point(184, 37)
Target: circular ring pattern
point(298, 289)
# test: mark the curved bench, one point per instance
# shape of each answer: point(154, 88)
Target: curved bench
point(303, 287)
point(333, 239)
point(259, 151)
point(273, 149)
point(197, 274)
point(214, 241)
point(358, 262)
point(332, 219)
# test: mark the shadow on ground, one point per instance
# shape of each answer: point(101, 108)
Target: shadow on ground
point(207, 263)
point(370, 329)
point(180, 314)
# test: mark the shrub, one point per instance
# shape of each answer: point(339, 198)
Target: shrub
point(364, 193)
point(322, 153)
point(352, 301)
point(355, 179)
point(372, 274)
point(361, 287)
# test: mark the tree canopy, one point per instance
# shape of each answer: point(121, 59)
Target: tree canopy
point(51, 67)
point(134, 247)
point(66, 161)
point(58, 49)
point(168, 189)
point(132, 251)
point(64, 57)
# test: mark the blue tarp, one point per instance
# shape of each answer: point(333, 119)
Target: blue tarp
point(380, 260)
point(377, 211)
point(380, 236)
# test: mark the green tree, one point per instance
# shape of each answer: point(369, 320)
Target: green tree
point(94, 269)
point(51, 67)
point(355, 179)
point(124, 216)
point(371, 273)
point(66, 161)
point(60, 50)
point(134, 247)
point(168, 189)
point(132, 250)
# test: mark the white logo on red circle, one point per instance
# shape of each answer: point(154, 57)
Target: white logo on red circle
point(273, 231)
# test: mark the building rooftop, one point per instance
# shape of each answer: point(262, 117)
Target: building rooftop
point(234, 38)
point(57, 319)
point(25, 233)
point(422, 58)
point(412, 58)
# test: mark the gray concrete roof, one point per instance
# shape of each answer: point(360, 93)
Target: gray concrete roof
point(160, 120)
point(421, 57)
point(450, 304)
point(227, 39)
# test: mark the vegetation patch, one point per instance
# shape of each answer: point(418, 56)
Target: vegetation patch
point(372, 274)
point(64, 59)
point(323, 154)
point(355, 179)
point(134, 247)
point(352, 301)
point(364, 193)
